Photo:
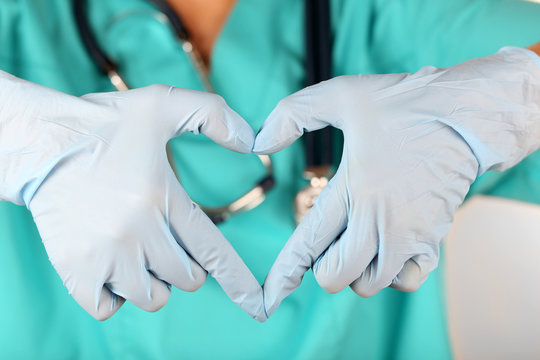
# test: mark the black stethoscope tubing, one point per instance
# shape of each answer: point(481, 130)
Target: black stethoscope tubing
point(318, 144)
point(318, 42)
point(98, 56)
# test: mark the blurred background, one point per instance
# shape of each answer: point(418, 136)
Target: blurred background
point(492, 267)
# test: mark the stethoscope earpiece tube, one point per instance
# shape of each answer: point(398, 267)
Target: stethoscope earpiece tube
point(98, 56)
point(318, 68)
point(175, 21)
point(318, 41)
point(318, 144)
point(88, 39)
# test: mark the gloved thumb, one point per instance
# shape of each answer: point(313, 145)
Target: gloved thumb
point(318, 106)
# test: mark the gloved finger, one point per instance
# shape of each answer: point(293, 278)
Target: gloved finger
point(287, 122)
point(347, 257)
point(141, 288)
point(310, 109)
point(201, 112)
point(95, 298)
point(322, 224)
point(379, 273)
point(170, 263)
point(203, 241)
point(414, 273)
point(185, 110)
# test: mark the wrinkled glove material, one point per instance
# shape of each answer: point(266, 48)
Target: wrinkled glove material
point(413, 145)
point(115, 222)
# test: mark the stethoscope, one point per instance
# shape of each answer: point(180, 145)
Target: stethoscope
point(318, 68)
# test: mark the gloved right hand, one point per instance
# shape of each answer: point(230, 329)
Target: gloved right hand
point(114, 220)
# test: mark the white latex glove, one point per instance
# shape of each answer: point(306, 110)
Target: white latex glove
point(114, 220)
point(414, 143)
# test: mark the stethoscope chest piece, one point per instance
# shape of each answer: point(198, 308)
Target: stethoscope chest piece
point(305, 199)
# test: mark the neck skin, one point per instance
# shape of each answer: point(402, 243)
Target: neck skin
point(535, 48)
point(204, 20)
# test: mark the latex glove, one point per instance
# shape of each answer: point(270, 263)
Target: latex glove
point(413, 144)
point(114, 220)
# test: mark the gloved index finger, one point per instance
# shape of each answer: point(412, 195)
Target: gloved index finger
point(321, 226)
point(210, 115)
point(196, 233)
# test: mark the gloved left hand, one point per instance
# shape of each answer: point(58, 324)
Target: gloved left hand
point(414, 143)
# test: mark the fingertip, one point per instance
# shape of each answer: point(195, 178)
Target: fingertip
point(269, 297)
point(198, 278)
point(250, 299)
point(364, 291)
point(261, 315)
point(219, 258)
point(101, 316)
point(94, 297)
point(243, 135)
point(277, 285)
point(407, 285)
point(263, 145)
point(268, 142)
point(229, 129)
point(171, 264)
point(279, 130)
point(368, 284)
point(211, 116)
point(327, 282)
point(270, 302)
point(158, 296)
point(321, 226)
point(371, 281)
point(107, 305)
point(410, 278)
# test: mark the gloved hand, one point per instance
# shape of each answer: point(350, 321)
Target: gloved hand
point(114, 220)
point(413, 144)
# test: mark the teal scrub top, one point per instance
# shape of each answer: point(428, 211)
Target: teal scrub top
point(257, 60)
